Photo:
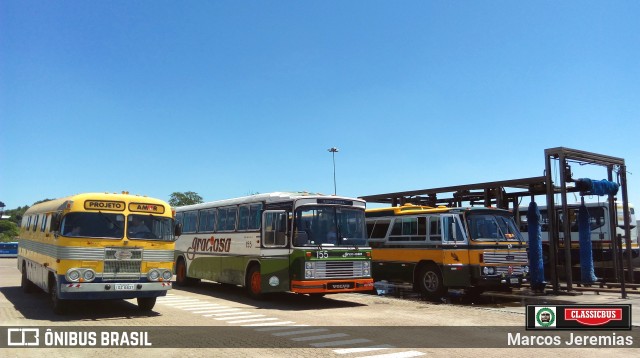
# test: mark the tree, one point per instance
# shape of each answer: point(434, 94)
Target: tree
point(186, 198)
point(15, 215)
point(8, 231)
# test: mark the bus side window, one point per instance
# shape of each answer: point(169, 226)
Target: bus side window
point(281, 232)
point(544, 221)
point(434, 229)
point(275, 226)
point(597, 217)
point(377, 229)
point(190, 222)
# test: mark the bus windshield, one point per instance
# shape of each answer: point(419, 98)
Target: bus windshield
point(330, 226)
point(92, 224)
point(492, 227)
point(149, 227)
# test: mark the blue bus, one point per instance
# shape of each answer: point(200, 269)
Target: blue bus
point(8, 249)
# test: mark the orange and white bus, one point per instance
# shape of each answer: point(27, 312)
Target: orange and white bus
point(435, 249)
point(86, 247)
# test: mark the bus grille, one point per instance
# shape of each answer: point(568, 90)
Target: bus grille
point(339, 269)
point(122, 263)
point(502, 257)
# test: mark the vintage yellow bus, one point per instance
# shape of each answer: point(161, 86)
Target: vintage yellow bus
point(98, 246)
point(435, 249)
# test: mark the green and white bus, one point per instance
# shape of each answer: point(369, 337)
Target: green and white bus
point(276, 242)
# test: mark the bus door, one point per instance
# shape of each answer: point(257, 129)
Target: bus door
point(274, 260)
point(456, 271)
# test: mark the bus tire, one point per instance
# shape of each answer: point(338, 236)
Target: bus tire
point(181, 274)
point(146, 303)
point(25, 284)
point(58, 305)
point(254, 282)
point(430, 282)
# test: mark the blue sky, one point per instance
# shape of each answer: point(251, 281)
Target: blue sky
point(227, 98)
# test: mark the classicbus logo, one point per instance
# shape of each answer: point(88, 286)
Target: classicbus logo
point(593, 316)
point(104, 205)
point(579, 317)
point(146, 208)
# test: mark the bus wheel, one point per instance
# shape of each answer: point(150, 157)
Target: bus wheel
point(181, 275)
point(146, 303)
point(430, 282)
point(254, 282)
point(58, 305)
point(27, 286)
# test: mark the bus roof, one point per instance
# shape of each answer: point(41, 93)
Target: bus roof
point(410, 209)
point(59, 204)
point(275, 197)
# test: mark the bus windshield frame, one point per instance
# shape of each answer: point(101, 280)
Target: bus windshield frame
point(328, 225)
point(491, 226)
point(106, 225)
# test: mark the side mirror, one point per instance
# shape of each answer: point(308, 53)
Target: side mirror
point(177, 230)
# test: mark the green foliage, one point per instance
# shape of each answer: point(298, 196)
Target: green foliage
point(15, 215)
point(186, 198)
point(8, 231)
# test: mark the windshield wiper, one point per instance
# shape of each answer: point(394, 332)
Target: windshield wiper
point(108, 219)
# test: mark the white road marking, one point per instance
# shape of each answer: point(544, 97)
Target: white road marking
point(363, 349)
point(317, 338)
point(406, 354)
point(317, 330)
point(341, 343)
point(267, 324)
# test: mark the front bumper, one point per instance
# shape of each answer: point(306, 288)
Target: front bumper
point(332, 286)
point(113, 290)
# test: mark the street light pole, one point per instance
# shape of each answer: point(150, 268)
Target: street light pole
point(333, 151)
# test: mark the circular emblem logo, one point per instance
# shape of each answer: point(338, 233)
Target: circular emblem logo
point(545, 317)
point(123, 255)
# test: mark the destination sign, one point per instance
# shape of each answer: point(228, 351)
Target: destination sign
point(146, 208)
point(335, 202)
point(104, 205)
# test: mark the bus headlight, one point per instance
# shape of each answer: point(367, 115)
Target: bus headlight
point(488, 270)
point(308, 265)
point(308, 273)
point(365, 272)
point(89, 275)
point(73, 275)
point(366, 264)
point(167, 275)
point(153, 275)
point(525, 269)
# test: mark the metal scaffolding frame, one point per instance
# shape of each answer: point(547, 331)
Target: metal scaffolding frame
point(496, 194)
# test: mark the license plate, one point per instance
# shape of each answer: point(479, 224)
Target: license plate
point(514, 281)
point(340, 285)
point(124, 286)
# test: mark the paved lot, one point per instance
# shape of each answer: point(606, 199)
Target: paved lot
point(346, 325)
